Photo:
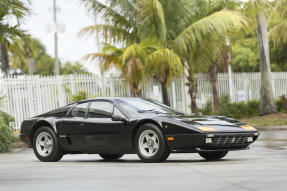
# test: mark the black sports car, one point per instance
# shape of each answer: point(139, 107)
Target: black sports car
point(112, 127)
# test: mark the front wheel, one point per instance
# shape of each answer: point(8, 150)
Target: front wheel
point(45, 145)
point(213, 155)
point(111, 156)
point(150, 144)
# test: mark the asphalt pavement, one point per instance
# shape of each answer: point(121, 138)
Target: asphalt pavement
point(263, 167)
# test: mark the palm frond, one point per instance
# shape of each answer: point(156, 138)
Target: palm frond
point(109, 33)
point(219, 23)
point(152, 19)
point(109, 57)
point(278, 33)
point(108, 13)
point(134, 51)
point(254, 6)
point(163, 64)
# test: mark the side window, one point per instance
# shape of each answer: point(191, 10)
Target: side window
point(118, 113)
point(101, 109)
point(80, 110)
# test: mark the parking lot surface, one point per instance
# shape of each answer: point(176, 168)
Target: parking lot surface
point(263, 167)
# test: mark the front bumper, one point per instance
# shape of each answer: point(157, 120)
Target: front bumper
point(210, 141)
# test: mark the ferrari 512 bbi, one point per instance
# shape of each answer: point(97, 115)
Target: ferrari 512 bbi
point(112, 127)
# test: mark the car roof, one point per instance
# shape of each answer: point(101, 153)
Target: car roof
point(108, 98)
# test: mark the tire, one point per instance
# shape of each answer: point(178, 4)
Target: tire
point(213, 155)
point(46, 146)
point(111, 156)
point(151, 149)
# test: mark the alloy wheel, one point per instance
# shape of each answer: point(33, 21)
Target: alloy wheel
point(44, 144)
point(148, 143)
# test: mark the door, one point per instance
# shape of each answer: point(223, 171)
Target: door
point(101, 133)
point(70, 136)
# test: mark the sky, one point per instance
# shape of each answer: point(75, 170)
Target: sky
point(74, 16)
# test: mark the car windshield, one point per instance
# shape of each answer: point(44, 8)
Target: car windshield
point(136, 106)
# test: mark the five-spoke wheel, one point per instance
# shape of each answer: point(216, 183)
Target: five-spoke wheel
point(45, 144)
point(150, 144)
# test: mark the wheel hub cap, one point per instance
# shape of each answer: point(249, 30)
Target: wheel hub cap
point(148, 143)
point(44, 144)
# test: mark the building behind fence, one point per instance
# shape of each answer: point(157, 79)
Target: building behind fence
point(24, 97)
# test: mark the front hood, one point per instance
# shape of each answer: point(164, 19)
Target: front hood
point(219, 123)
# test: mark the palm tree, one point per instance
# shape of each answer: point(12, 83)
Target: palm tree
point(206, 57)
point(15, 9)
point(129, 60)
point(163, 65)
point(258, 9)
point(26, 50)
point(131, 21)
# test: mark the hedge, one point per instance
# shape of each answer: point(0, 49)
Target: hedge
point(6, 135)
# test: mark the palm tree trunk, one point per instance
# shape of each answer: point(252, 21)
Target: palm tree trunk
point(135, 90)
point(5, 59)
point(267, 103)
point(165, 94)
point(192, 88)
point(213, 81)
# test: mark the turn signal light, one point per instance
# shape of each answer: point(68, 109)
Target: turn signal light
point(248, 128)
point(206, 128)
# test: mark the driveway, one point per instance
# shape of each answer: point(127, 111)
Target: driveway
point(263, 167)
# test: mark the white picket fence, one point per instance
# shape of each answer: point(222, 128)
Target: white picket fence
point(27, 96)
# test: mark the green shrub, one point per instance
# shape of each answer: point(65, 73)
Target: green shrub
point(234, 110)
point(281, 104)
point(207, 110)
point(81, 95)
point(240, 109)
point(253, 108)
point(6, 136)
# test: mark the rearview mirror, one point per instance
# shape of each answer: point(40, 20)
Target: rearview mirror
point(118, 118)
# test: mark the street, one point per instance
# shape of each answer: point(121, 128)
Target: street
point(263, 167)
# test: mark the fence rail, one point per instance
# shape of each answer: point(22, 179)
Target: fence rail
point(28, 96)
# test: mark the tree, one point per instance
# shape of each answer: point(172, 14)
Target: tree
point(259, 9)
point(129, 22)
point(28, 56)
point(163, 65)
point(73, 68)
point(10, 9)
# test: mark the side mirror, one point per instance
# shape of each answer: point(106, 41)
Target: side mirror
point(118, 118)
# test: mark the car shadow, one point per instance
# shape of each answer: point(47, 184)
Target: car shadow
point(125, 161)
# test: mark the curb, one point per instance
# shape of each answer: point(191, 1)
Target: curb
point(271, 128)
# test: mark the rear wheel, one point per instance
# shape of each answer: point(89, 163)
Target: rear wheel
point(213, 155)
point(45, 145)
point(150, 144)
point(111, 156)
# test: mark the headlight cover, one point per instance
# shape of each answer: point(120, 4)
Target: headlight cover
point(206, 128)
point(248, 128)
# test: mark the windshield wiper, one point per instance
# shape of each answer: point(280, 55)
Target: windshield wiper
point(180, 113)
point(146, 110)
point(154, 111)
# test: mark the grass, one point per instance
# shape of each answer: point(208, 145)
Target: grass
point(279, 119)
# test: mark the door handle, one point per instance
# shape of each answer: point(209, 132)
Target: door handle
point(82, 124)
